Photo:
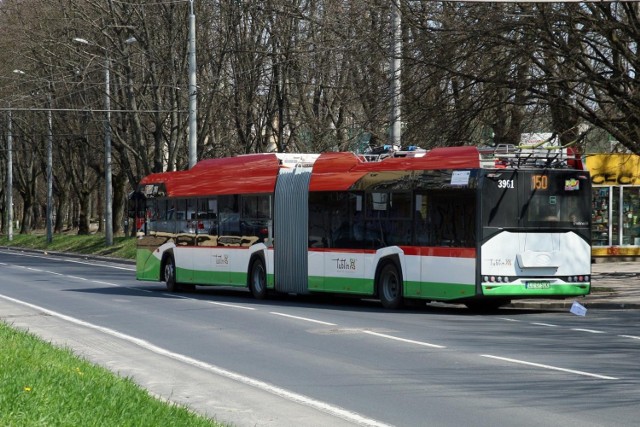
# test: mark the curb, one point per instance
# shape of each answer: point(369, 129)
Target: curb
point(70, 255)
point(566, 305)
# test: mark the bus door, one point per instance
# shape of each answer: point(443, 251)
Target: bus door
point(352, 237)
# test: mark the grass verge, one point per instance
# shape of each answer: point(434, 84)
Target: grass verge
point(93, 244)
point(41, 385)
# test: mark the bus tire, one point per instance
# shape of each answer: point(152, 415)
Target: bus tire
point(258, 279)
point(170, 274)
point(390, 287)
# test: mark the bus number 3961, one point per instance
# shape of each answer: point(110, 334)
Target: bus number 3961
point(505, 183)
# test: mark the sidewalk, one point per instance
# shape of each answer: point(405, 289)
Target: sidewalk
point(614, 285)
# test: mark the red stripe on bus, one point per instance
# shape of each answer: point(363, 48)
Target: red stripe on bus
point(411, 250)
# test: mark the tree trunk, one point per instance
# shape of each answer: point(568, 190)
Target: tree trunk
point(83, 218)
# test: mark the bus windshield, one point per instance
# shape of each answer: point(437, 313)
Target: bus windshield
point(536, 199)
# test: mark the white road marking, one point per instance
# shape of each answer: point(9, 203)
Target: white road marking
point(306, 319)
point(98, 282)
point(508, 319)
point(76, 277)
point(633, 337)
point(544, 324)
point(54, 273)
point(56, 258)
point(553, 368)
point(261, 385)
point(391, 337)
point(591, 331)
point(223, 304)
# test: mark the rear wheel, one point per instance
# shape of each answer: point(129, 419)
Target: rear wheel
point(390, 287)
point(170, 274)
point(258, 279)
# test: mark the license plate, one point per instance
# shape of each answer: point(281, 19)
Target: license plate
point(537, 285)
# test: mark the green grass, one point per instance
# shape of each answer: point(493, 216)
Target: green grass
point(94, 244)
point(41, 385)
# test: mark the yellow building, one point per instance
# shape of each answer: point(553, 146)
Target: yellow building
point(616, 204)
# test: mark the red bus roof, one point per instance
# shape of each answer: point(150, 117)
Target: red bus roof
point(339, 171)
point(257, 173)
point(253, 173)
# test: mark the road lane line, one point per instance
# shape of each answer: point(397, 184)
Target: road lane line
point(98, 282)
point(508, 319)
point(261, 385)
point(208, 302)
point(633, 337)
point(544, 324)
point(306, 319)
point(553, 368)
point(223, 304)
point(591, 331)
point(64, 259)
point(391, 337)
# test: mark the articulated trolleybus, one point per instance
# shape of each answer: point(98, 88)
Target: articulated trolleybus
point(458, 225)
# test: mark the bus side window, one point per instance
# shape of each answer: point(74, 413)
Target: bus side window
point(421, 221)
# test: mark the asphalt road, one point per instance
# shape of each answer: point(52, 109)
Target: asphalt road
point(310, 362)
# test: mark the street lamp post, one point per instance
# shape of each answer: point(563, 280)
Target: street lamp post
point(9, 177)
point(193, 90)
point(49, 212)
point(108, 192)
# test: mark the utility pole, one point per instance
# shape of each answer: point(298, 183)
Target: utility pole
point(395, 134)
point(108, 209)
point(49, 212)
point(9, 178)
point(193, 91)
point(108, 192)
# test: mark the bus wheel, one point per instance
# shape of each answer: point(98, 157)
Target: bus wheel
point(170, 274)
point(390, 287)
point(258, 279)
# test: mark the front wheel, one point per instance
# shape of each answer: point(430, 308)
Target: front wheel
point(390, 287)
point(258, 279)
point(170, 274)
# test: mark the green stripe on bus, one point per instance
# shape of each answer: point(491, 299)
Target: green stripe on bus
point(438, 290)
point(569, 289)
point(147, 265)
point(344, 285)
